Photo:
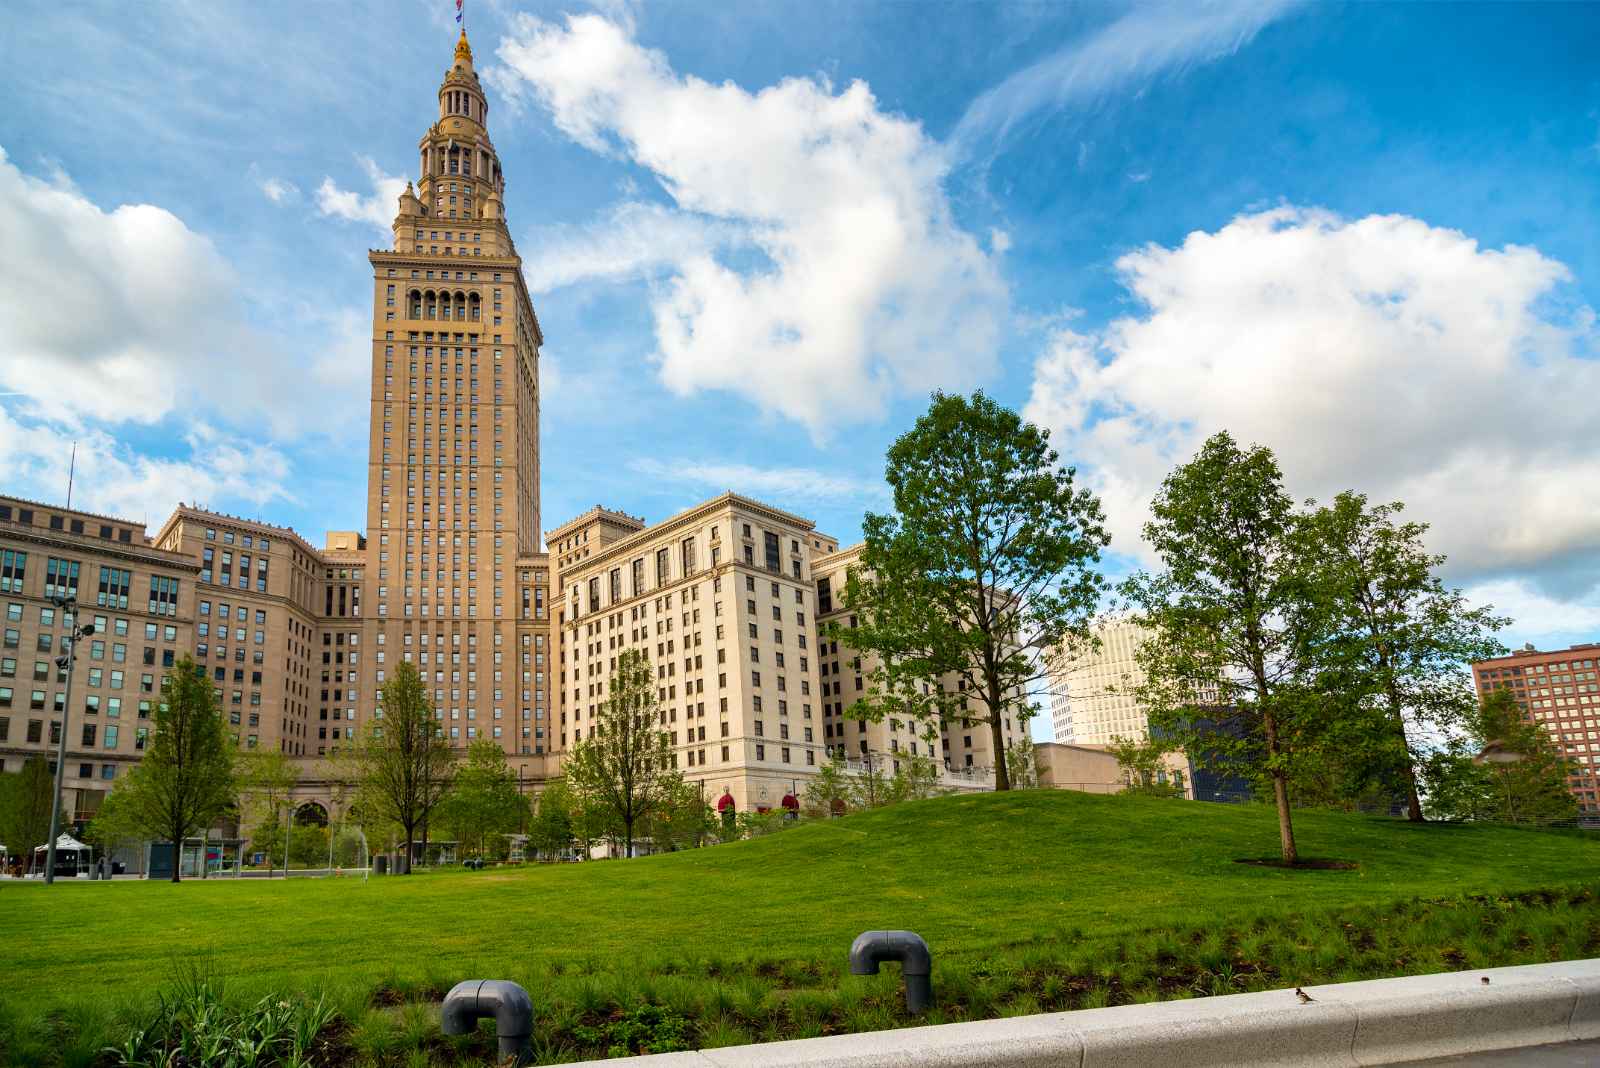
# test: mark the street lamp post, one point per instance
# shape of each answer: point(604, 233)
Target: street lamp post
point(64, 605)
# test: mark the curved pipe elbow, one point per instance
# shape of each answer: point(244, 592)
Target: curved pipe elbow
point(872, 948)
point(498, 999)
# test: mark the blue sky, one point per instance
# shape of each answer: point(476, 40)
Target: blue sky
point(759, 234)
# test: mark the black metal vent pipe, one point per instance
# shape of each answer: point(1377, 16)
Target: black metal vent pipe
point(872, 948)
point(474, 999)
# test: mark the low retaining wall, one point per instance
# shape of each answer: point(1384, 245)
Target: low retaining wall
point(1379, 1022)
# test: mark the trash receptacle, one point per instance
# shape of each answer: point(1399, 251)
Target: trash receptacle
point(380, 864)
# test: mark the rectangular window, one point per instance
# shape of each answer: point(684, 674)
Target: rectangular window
point(163, 596)
point(770, 545)
point(688, 556)
point(13, 569)
point(60, 578)
point(114, 584)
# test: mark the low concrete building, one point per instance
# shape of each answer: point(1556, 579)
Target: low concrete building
point(1093, 769)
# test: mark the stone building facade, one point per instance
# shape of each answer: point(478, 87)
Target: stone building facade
point(515, 635)
point(141, 601)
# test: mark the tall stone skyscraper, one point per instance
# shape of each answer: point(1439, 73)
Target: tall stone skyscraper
point(453, 467)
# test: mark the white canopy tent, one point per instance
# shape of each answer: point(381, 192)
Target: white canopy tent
point(66, 847)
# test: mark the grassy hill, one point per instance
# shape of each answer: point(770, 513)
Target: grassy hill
point(1118, 898)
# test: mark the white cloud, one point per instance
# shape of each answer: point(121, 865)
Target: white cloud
point(850, 281)
point(1138, 177)
point(377, 209)
point(122, 315)
point(776, 483)
point(632, 240)
point(1540, 619)
point(113, 479)
point(1147, 40)
point(999, 241)
point(1381, 354)
point(277, 190)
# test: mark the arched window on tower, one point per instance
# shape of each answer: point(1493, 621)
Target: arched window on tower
point(416, 297)
point(431, 308)
point(473, 304)
point(461, 306)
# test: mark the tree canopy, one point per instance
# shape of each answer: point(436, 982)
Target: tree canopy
point(1402, 647)
point(187, 778)
point(402, 765)
point(624, 768)
point(989, 558)
point(1232, 619)
point(484, 802)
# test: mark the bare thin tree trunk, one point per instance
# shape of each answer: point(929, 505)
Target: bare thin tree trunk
point(1280, 792)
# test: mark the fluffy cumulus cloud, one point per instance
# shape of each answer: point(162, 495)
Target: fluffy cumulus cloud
point(377, 208)
point(1380, 354)
point(120, 315)
point(811, 261)
point(109, 477)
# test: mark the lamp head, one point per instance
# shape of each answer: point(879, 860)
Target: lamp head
point(88, 629)
point(61, 662)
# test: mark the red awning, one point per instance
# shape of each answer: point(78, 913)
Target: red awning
point(725, 802)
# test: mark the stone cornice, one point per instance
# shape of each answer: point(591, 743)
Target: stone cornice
point(698, 514)
point(85, 544)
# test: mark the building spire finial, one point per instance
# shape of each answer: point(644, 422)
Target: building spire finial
point(463, 49)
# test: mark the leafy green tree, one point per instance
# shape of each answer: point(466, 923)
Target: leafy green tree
point(1021, 762)
point(989, 558)
point(1504, 768)
point(624, 768)
point(484, 802)
point(1233, 620)
point(187, 778)
point(682, 819)
point(915, 778)
point(550, 831)
point(25, 798)
point(402, 765)
point(829, 790)
point(1405, 642)
point(870, 786)
point(115, 823)
point(266, 780)
point(1144, 767)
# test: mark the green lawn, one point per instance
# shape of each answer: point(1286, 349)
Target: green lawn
point(1030, 900)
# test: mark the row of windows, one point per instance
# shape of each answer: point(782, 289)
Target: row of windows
point(24, 516)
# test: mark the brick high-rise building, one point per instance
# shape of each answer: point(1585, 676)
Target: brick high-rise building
point(1560, 691)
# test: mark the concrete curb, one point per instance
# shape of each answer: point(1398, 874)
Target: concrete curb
point(1379, 1022)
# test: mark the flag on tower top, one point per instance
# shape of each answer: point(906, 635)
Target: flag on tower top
point(458, 10)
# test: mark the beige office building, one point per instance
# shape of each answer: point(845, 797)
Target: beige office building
point(140, 600)
point(721, 600)
point(1092, 693)
point(964, 748)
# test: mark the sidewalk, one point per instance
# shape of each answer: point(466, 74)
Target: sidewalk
point(1566, 1055)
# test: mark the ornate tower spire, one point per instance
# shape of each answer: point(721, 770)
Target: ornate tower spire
point(460, 185)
